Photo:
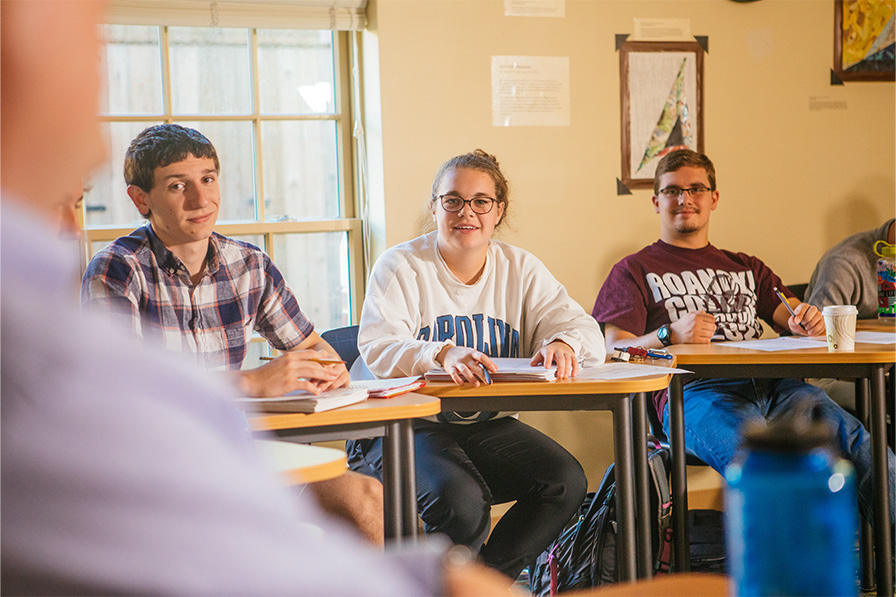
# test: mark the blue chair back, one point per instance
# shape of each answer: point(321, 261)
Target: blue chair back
point(345, 342)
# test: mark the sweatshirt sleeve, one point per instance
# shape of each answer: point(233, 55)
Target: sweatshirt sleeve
point(389, 320)
point(556, 316)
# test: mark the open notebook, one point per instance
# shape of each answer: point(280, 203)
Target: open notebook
point(301, 401)
point(508, 370)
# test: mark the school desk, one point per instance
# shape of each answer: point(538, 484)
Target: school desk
point(295, 464)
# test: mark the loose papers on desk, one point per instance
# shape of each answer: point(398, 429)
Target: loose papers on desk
point(389, 388)
point(625, 371)
point(798, 342)
point(301, 401)
point(520, 370)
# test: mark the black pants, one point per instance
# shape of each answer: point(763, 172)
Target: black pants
point(463, 469)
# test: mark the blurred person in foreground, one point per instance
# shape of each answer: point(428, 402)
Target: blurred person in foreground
point(116, 478)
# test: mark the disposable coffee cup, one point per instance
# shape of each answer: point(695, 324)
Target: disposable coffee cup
point(840, 326)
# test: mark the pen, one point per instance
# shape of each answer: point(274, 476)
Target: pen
point(488, 378)
point(321, 361)
point(786, 304)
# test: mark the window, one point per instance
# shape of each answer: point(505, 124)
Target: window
point(276, 103)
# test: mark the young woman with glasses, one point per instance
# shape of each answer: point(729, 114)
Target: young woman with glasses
point(453, 299)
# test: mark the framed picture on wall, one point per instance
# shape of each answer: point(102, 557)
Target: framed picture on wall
point(661, 85)
point(864, 40)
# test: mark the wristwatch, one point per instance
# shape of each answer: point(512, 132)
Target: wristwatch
point(664, 334)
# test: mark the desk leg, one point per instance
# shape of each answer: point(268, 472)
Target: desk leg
point(680, 531)
point(642, 485)
point(882, 547)
point(866, 545)
point(392, 484)
point(625, 499)
point(408, 468)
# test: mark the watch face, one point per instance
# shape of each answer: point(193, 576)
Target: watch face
point(663, 335)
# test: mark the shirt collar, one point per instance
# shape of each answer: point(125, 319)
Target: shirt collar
point(171, 265)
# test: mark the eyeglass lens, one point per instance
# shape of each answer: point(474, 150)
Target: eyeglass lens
point(454, 204)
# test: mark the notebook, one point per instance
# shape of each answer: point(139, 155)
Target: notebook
point(301, 401)
point(508, 370)
point(389, 388)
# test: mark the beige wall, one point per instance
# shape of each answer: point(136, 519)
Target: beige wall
point(792, 181)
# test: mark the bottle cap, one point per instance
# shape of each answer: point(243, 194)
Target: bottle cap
point(798, 431)
point(884, 249)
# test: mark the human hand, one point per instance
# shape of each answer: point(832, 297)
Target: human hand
point(807, 321)
point(466, 365)
point(294, 370)
point(696, 327)
point(558, 353)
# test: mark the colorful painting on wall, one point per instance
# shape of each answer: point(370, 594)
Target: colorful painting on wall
point(865, 40)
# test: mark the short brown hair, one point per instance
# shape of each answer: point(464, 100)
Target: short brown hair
point(681, 158)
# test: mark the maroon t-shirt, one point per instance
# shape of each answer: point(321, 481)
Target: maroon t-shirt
point(661, 283)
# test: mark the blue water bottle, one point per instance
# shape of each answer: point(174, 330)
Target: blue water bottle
point(791, 513)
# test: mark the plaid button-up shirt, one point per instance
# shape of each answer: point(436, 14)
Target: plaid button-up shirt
point(241, 291)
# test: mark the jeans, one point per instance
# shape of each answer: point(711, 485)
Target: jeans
point(715, 411)
point(463, 469)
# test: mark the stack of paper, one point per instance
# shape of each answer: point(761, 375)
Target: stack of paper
point(301, 401)
point(389, 388)
point(508, 370)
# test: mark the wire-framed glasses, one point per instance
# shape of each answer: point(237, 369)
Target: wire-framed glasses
point(454, 203)
point(697, 192)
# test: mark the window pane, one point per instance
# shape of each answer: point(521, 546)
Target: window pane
point(315, 266)
point(209, 70)
point(132, 69)
point(295, 70)
point(233, 142)
point(107, 202)
point(301, 179)
point(252, 239)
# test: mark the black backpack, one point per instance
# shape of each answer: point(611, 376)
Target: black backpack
point(585, 554)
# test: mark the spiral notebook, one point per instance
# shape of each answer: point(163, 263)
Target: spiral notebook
point(509, 369)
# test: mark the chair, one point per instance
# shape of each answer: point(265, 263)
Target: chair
point(799, 290)
point(345, 342)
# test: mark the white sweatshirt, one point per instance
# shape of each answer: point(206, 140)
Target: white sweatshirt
point(415, 305)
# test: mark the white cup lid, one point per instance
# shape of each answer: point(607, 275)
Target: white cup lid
point(840, 310)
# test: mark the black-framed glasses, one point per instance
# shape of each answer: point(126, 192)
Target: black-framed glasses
point(455, 203)
point(697, 192)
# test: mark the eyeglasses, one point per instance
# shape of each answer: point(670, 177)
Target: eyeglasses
point(454, 203)
point(675, 192)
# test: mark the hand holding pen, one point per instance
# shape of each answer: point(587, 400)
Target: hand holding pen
point(809, 320)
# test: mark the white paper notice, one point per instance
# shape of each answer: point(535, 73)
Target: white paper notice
point(662, 30)
point(530, 91)
point(534, 8)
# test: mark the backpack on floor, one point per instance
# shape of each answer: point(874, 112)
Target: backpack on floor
point(585, 554)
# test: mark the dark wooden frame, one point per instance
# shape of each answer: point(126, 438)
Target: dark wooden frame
point(845, 75)
point(625, 103)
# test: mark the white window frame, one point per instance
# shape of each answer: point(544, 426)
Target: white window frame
point(346, 14)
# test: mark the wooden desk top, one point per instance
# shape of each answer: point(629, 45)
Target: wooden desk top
point(407, 406)
point(547, 388)
point(299, 463)
point(720, 353)
point(691, 584)
point(875, 325)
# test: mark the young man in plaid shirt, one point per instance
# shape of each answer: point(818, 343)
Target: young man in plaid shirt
point(179, 284)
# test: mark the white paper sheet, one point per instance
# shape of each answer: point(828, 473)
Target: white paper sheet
point(534, 8)
point(782, 343)
point(876, 337)
point(625, 371)
point(530, 91)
